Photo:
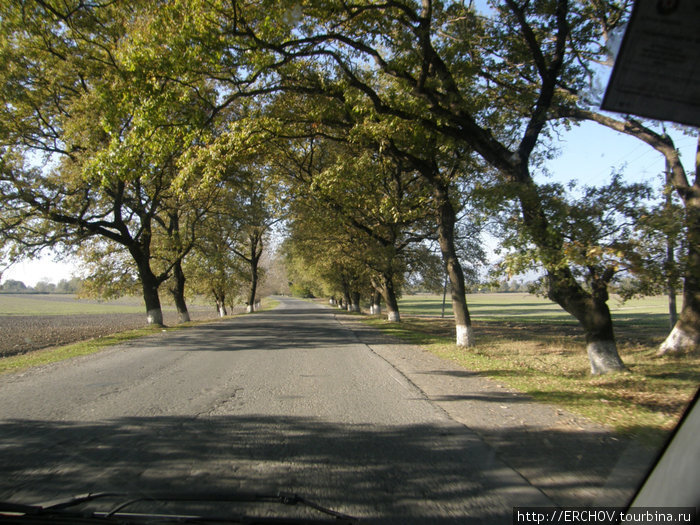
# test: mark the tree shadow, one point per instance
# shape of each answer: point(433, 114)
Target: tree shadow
point(430, 473)
point(258, 332)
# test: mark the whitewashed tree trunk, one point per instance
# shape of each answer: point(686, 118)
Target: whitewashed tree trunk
point(464, 335)
point(183, 317)
point(678, 341)
point(222, 310)
point(155, 316)
point(250, 308)
point(393, 317)
point(603, 357)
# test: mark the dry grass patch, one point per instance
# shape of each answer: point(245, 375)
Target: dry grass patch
point(548, 362)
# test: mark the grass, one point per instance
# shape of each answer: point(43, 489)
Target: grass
point(68, 304)
point(649, 311)
point(39, 304)
point(525, 345)
point(46, 356)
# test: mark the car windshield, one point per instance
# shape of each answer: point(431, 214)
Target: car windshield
point(386, 261)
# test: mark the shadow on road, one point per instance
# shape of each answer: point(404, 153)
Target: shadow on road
point(259, 331)
point(401, 474)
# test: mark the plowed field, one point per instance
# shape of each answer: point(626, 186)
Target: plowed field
point(58, 320)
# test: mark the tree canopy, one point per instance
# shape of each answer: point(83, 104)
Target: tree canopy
point(165, 142)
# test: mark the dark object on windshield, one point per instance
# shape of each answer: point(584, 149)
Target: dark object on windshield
point(657, 70)
point(125, 509)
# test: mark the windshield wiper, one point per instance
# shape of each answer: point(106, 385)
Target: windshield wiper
point(64, 511)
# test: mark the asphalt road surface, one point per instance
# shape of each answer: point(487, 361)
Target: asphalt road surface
point(282, 400)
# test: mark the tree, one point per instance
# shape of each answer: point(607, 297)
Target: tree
point(90, 142)
point(276, 282)
point(323, 261)
point(13, 286)
point(581, 103)
point(685, 334)
point(659, 263)
point(369, 199)
point(71, 286)
point(214, 272)
point(248, 199)
point(600, 232)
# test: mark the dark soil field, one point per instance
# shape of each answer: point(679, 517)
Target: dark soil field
point(59, 320)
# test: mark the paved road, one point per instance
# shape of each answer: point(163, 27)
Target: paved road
point(281, 400)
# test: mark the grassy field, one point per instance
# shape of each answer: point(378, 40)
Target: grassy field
point(55, 304)
point(650, 311)
point(59, 304)
point(529, 344)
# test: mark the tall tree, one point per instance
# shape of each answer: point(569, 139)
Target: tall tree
point(582, 102)
point(89, 144)
point(685, 334)
point(601, 231)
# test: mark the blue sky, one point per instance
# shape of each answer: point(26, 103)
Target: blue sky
point(590, 152)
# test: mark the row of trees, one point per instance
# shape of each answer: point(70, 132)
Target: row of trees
point(95, 154)
point(64, 286)
point(152, 138)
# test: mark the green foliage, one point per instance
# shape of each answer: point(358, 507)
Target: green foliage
point(148, 137)
point(12, 286)
point(299, 290)
point(659, 265)
point(109, 270)
point(64, 286)
point(598, 232)
point(91, 144)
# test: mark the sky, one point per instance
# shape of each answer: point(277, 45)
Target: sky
point(589, 153)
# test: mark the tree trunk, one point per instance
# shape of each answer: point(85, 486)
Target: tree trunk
point(590, 309)
point(376, 308)
point(355, 304)
point(221, 309)
point(253, 290)
point(670, 263)
point(346, 297)
point(685, 336)
point(256, 247)
point(220, 299)
point(672, 307)
point(389, 294)
point(446, 225)
point(150, 284)
point(592, 312)
point(178, 293)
